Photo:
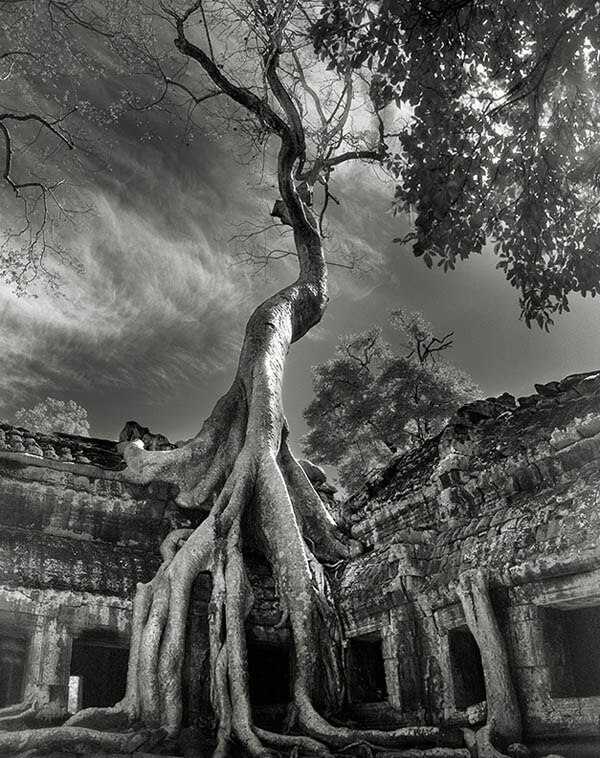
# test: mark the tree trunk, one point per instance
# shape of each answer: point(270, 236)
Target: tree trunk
point(239, 460)
point(503, 712)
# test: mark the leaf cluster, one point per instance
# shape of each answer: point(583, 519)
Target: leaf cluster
point(502, 146)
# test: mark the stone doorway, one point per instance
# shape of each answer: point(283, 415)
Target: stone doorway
point(98, 671)
point(12, 668)
point(467, 669)
point(366, 671)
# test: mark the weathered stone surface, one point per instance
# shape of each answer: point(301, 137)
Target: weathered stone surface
point(75, 539)
point(517, 750)
point(133, 431)
point(102, 453)
point(511, 489)
point(432, 752)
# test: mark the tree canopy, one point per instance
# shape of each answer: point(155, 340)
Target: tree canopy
point(500, 138)
point(371, 402)
point(45, 137)
point(396, 85)
point(53, 415)
point(485, 113)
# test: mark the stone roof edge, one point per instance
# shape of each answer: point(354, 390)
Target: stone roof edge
point(74, 467)
point(53, 449)
point(492, 407)
point(478, 412)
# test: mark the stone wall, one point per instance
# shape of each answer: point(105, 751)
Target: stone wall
point(75, 538)
point(510, 488)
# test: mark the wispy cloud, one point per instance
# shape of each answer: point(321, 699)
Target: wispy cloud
point(151, 311)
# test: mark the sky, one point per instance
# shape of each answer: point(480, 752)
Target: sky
point(151, 329)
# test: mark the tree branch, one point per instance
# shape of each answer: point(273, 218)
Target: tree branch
point(354, 155)
point(47, 124)
point(240, 95)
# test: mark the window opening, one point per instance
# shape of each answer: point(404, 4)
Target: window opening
point(573, 655)
point(466, 667)
point(366, 670)
point(98, 671)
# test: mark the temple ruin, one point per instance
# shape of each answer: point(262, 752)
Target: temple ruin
point(510, 491)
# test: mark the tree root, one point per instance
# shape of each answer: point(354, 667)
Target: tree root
point(480, 742)
point(15, 708)
point(504, 715)
point(152, 706)
point(340, 737)
point(241, 466)
point(19, 714)
point(289, 742)
point(73, 740)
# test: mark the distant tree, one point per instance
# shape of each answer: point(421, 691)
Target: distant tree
point(54, 415)
point(370, 402)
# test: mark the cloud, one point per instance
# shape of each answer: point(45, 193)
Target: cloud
point(152, 311)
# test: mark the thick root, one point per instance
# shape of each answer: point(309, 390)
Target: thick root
point(316, 523)
point(339, 737)
point(290, 742)
point(18, 715)
point(201, 465)
point(153, 694)
point(480, 743)
point(73, 740)
point(288, 517)
point(504, 715)
point(16, 708)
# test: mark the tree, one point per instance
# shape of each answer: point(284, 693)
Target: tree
point(52, 415)
point(370, 403)
point(502, 145)
point(253, 63)
point(240, 466)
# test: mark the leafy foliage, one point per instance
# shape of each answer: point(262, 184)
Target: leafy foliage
point(502, 146)
point(54, 415)
point(370, 402)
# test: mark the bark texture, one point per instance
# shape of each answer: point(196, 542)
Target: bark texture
point(503, 712)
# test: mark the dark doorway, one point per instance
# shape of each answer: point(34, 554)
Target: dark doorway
point(467, 669)
point(100, 662)
point(366, 671)
point(573, 652)
point(269, 674)
point(12, 669)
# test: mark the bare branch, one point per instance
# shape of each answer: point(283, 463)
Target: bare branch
point(207, 32)
point(240, 95)
point(276, 254)
point(315, 97)
point(196, 98)
point(46, 123)
point(354, 155)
